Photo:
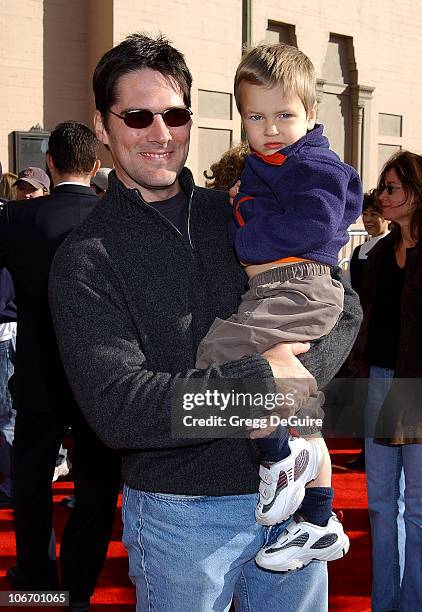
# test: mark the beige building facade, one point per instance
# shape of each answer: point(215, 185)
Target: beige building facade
point(366, 54)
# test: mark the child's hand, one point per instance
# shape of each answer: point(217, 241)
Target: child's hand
point(233, 191)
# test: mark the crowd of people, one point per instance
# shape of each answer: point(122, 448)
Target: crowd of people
point(120, 289)
point(38, 405)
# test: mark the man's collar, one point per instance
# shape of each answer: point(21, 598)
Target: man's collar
point(71, 183)
point(185, 179)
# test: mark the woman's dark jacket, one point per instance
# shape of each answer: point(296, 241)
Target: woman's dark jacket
point(400, 420)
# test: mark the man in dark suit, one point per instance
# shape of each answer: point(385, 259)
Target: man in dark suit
point(2, 200)
point(30, 232)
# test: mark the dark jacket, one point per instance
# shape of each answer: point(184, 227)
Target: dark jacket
point(131, 300)
point(400, 420)
point(7, 295)
point(30, 232)
point(356, 268)
point(298, 202)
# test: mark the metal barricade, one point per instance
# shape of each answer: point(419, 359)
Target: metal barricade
point(356, 237)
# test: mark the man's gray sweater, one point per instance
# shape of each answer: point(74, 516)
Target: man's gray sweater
point(131, 300)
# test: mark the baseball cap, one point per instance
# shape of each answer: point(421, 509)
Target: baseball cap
point(35, 177)
point(100, 180)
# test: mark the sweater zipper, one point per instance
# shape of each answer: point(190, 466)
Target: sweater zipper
point(189, 209)
point(164, 218)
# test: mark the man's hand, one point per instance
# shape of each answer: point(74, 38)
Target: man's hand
point(233, 191)
point(290, 377)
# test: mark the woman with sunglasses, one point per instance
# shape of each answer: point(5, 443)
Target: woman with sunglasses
point(390, 343)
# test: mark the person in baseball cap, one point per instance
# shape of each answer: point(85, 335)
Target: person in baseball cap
point(32, 182)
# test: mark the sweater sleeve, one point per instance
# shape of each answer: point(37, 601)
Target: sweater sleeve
point(302, 222)
point(328, 353)
point(126, 403)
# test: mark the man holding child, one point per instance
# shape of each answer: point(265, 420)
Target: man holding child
point(134, 290)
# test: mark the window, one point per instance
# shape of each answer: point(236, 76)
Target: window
point(390, 125)
point(281, 32)
point(214, 104)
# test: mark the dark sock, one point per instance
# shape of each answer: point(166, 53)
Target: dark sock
point(274, 447)
point(317, 505)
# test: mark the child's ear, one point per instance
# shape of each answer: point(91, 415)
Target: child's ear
point(312, 115)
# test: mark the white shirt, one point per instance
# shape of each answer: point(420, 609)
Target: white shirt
point(72, 183)
point(7, 331)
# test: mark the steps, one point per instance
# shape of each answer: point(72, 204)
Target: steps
point(349, 578)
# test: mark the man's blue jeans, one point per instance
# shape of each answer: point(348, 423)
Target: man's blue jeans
point(7, 414)
point(384, 468)
point(196, 554)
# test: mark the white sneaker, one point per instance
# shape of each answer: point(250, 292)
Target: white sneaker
point(282, 486)
point(62, 469)
point(302, 542)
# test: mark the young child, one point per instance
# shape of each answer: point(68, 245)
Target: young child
point(290, 219)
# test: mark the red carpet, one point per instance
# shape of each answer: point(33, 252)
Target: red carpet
point(349, 577)
point(114, 593)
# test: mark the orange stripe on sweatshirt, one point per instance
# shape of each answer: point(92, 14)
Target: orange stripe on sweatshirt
point(237, 214)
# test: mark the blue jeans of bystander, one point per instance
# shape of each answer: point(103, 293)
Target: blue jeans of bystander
point(385, 467)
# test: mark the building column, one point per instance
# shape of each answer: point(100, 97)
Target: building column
point(361, 97)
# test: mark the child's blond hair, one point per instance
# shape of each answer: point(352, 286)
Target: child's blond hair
point(281, 65)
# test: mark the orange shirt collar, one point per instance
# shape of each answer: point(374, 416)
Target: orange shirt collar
point(276, 159)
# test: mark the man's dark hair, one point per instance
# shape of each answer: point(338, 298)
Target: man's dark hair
point(370, 200)
point(136, 52)
point(73, 148)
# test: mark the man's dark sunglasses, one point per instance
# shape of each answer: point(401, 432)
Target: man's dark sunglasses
point(140, 119)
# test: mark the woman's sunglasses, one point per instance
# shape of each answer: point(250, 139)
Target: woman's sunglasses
point(390, 189)
point(140, 119)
